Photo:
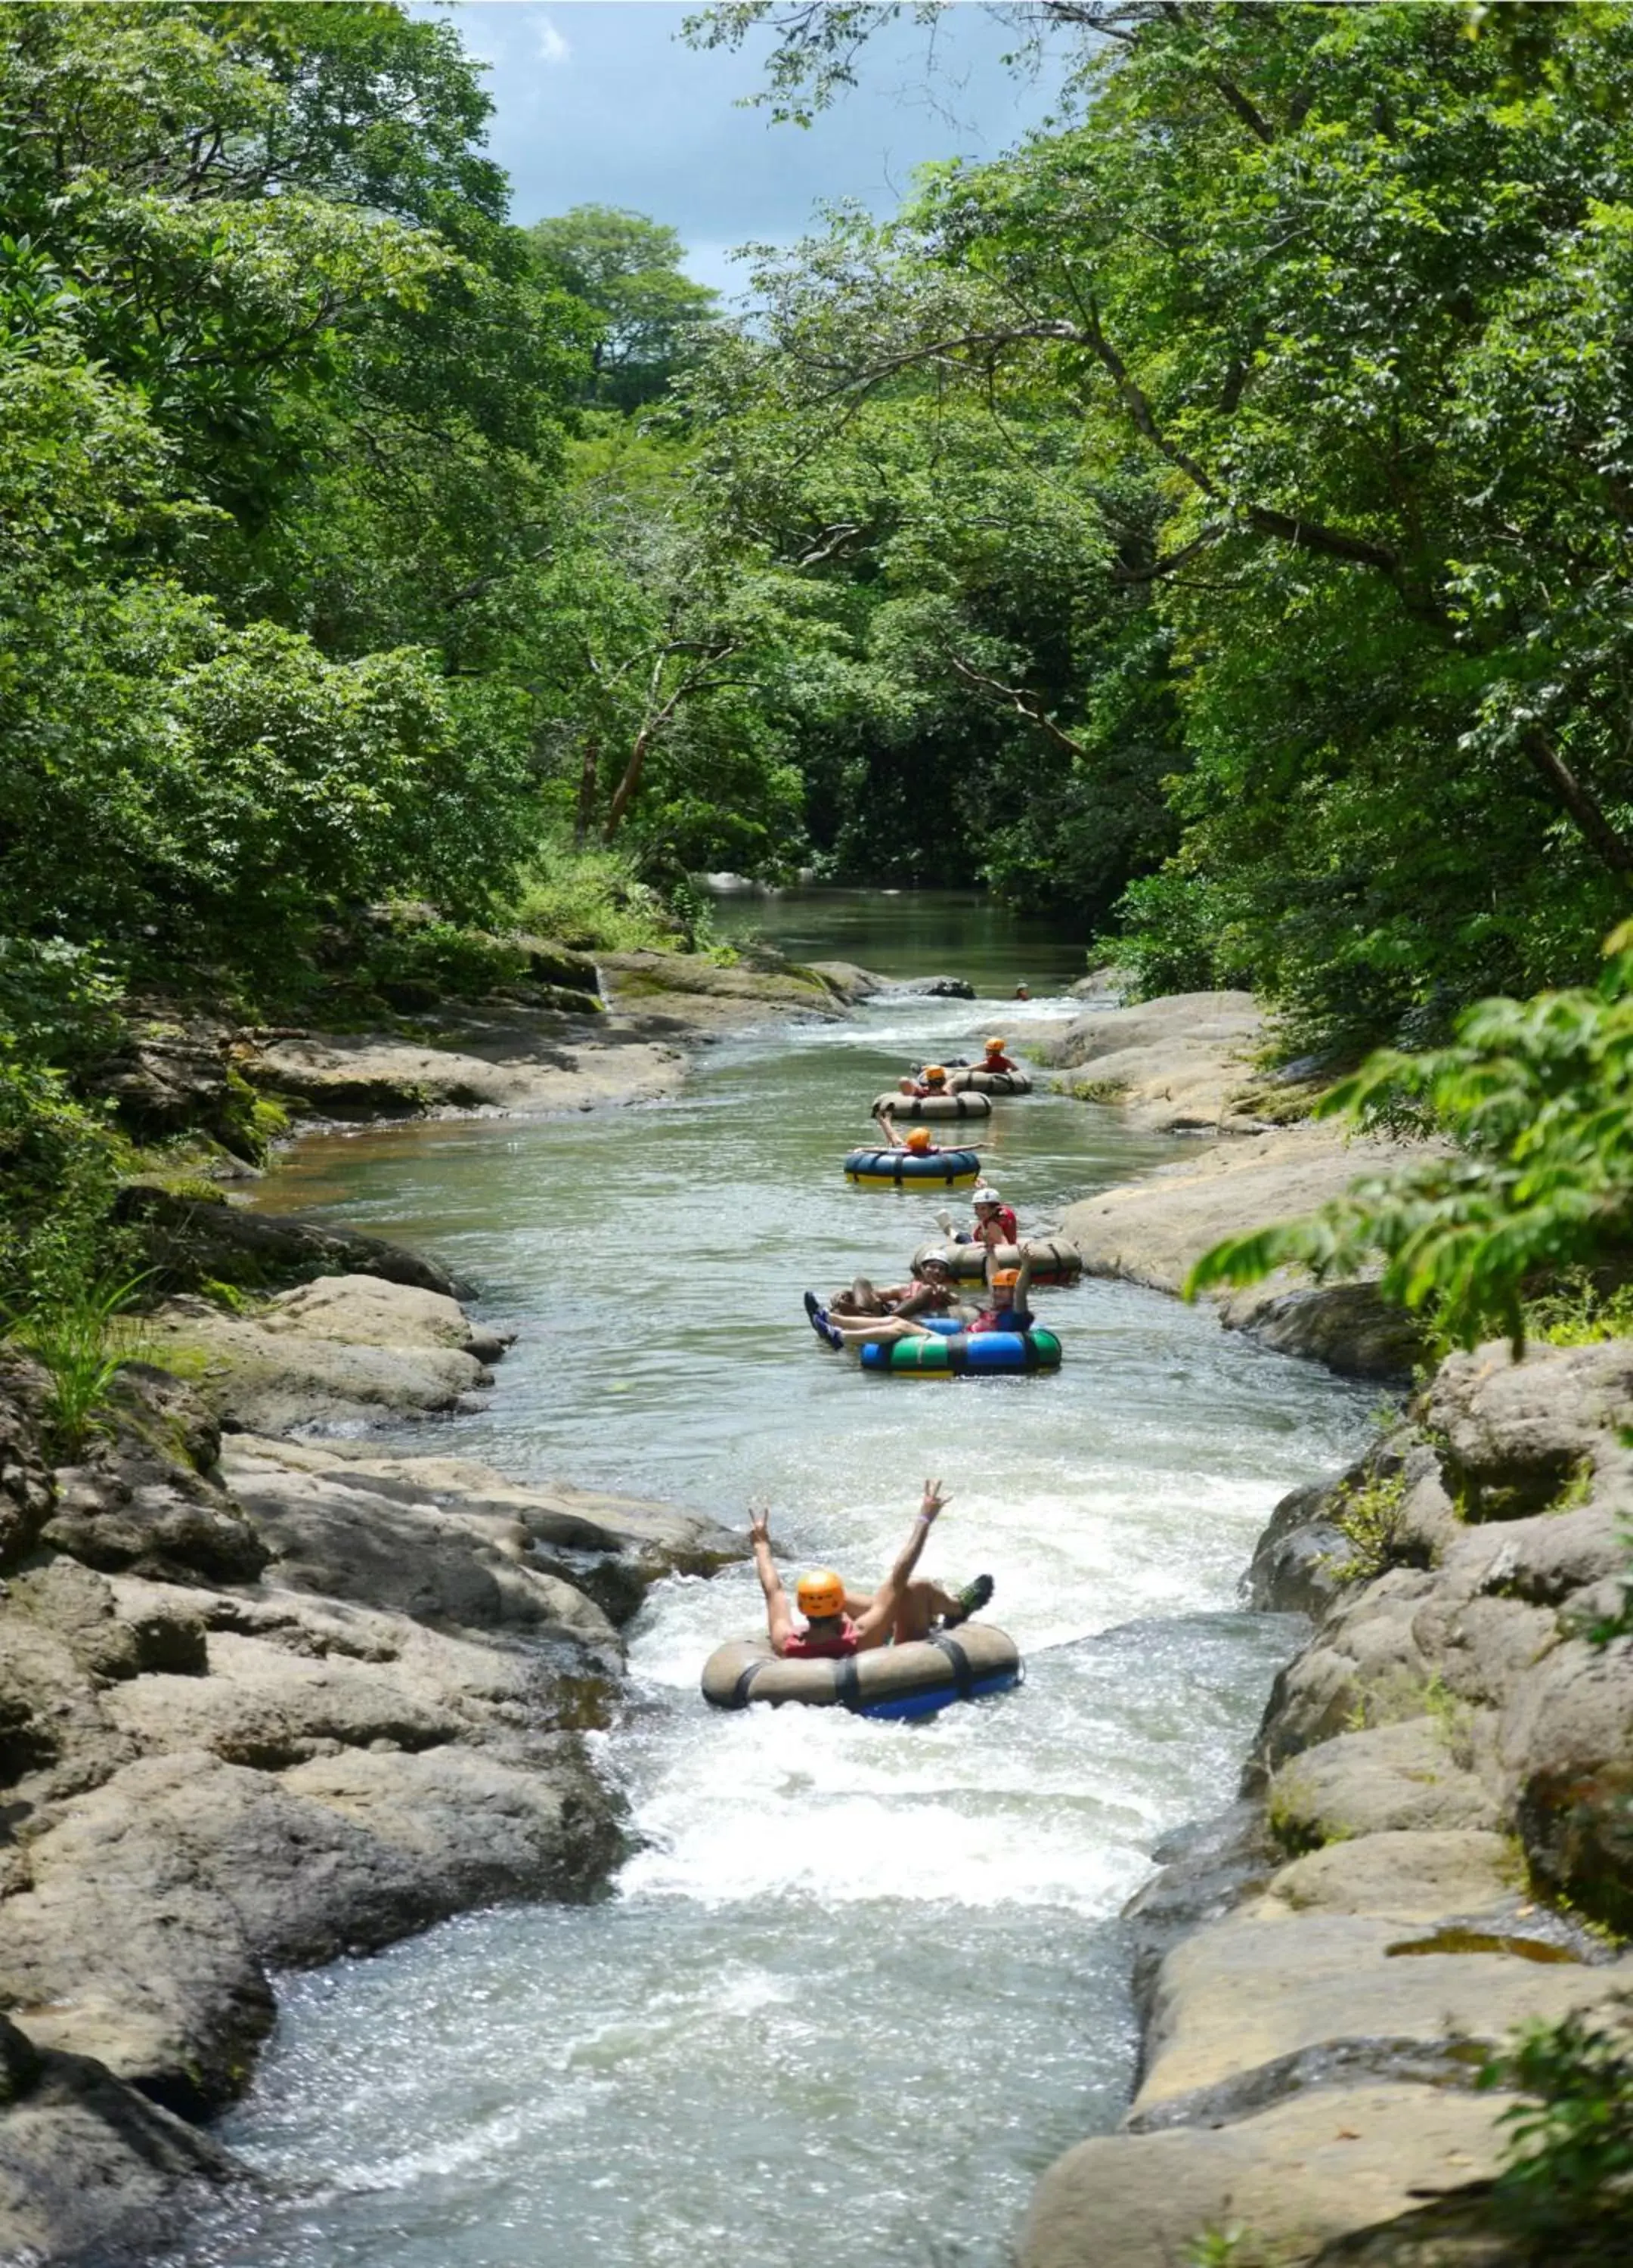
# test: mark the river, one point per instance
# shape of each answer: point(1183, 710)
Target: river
point(860, 1981)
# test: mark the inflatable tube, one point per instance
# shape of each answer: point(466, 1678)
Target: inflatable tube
point(956, 1352)
point(887, 1681)
point(988, 1082)
point(933, 1106)
point(1054, 1260)
point(893, 1168)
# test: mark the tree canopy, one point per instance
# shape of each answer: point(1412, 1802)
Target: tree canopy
point(628, 268)
point(1343, 295)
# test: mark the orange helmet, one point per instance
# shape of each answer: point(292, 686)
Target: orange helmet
point(821, 1593)
point(935, 1074)
point(918, 1137)
point(1005, 1279)
point(995, 1047)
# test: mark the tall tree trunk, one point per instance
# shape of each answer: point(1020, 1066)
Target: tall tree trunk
point(1614, 850)
point(632, 780)
point(584, 818)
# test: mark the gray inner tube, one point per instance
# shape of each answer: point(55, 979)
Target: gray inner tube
point(931, 1106)
point(1050, 1256)
point(745, 1669)
point(977, 1081)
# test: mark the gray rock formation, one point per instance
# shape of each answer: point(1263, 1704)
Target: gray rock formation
point(1445, 1771)
point(343, 1351)
point(261, 1705)
point(191, 1240)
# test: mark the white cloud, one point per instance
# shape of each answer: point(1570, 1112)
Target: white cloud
point(553, 47)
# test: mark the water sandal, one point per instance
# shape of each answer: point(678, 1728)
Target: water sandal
point(819, 1323)
point(968, 1601)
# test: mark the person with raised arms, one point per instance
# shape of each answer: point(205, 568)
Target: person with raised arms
point(839, 1621)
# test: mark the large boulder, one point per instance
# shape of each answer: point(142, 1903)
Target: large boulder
point(1174, 1063)
point(847, 982)
point(1298, 2175)
point(1517, 1435)
point(497, 1057)
point(1253, 2006)
point(90, 2170)
point(932, 987)
point(1386, 1777)
point(344, 1351)
point(193, 1240)
point(349, 1534)
point(612, 1548)
point(1154, 1231)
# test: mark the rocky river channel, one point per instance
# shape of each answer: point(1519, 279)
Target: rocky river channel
point(376, 1891)
point(860, 1973)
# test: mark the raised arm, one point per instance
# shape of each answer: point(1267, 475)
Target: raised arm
point(779, 1622)
point(881, 1612)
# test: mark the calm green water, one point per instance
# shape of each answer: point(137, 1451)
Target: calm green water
point(866, 1973)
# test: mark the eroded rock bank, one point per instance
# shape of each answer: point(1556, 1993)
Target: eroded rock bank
point(264, 1702)
point(586, 1034)
point(1185, 1065)
point(1435, 1845)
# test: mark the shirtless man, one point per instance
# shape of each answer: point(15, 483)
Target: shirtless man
point(932, 1292)
point(839, 1621)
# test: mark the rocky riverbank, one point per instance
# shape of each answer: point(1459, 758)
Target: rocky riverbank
point(264, 1699)
point(264, 1702)
point(1435, 1845)
point(1184, 1065)
point(1434, 1841)
point(619, 1032)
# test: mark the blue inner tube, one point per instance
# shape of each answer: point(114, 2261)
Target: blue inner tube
point(895, 1166)
point(956, 1354)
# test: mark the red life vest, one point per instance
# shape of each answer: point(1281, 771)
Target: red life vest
point(801, 1646)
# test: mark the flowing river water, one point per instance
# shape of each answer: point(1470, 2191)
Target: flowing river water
point(860, 1981)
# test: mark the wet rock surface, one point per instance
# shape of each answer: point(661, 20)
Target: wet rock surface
point(192, 1241)
point(1437, 1849)
point(264, 1701)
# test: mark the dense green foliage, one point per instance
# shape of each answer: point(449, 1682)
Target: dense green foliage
point(1325, 312)
point(1537, 1097)
point(1566, 2191)
point(1207, 522)
point(629, 269)
point(280, 393)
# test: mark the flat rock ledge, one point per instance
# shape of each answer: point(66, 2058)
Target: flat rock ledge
point(1435, 1845)
point(1182, 1064)
point(264, 1701)
point(515, 1057)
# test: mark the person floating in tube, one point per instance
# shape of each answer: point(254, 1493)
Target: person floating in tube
point(995, 1222)
point(1006, 1308)
point(839, 1621)
point(995, 1058)
point(932, 1292)
point(932, 1081)
point(918, 1139)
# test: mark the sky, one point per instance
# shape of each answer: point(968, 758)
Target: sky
point(599, 102)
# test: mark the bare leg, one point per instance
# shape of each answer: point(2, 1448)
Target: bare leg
point(880, 1334)
point(920, 1606)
